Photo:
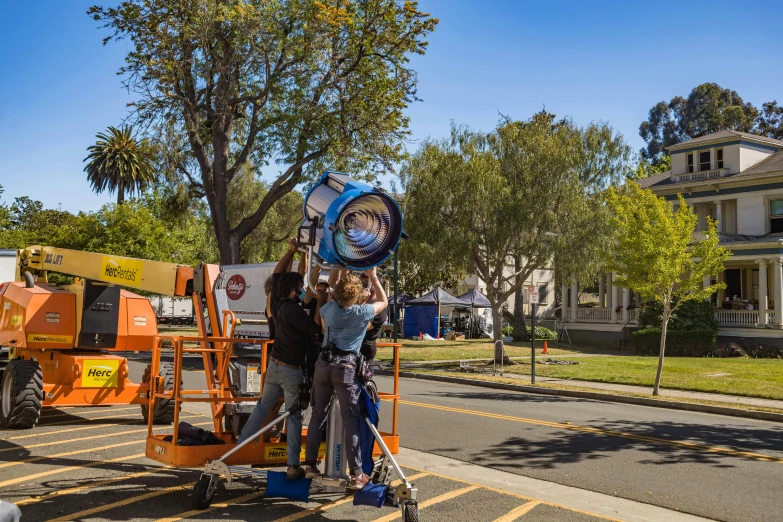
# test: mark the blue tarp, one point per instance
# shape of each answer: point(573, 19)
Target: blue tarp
point(420, 319)
point(366, 436)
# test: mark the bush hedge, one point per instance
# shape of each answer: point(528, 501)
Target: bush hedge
point(542, 333)
point(690, 315)
point(679, 343)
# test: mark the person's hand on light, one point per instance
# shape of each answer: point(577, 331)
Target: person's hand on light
point(293, 244)
point(371, 273)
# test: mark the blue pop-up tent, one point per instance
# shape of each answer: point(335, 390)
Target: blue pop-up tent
point(422, 315)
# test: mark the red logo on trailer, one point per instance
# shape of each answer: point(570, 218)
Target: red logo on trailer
point(235, 288)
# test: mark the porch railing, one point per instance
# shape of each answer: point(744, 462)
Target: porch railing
point(737, 317)
point(633, 316)
point(594, 315)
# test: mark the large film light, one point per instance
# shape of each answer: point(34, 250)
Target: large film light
point(350, 223)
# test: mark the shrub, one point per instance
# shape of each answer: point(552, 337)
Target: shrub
point(691, 315)
point(542, 333)
point(679, 343)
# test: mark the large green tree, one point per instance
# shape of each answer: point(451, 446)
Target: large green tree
point(301, 83)
point(523, 191)
point(655, 253)
point(708, 108)
point(118, 162)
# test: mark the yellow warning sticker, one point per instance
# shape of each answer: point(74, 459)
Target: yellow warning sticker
point(280, 452)
point(126, 272)
point(16, 320)
point(100, 373)
point(49, 338)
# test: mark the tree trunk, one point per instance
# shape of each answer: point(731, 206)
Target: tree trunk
point(497, 335)
point(520, 328)
point(664, 325)
point(120, 194)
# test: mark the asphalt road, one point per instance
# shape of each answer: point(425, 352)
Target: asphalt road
point(717, 467)
point(88, 464)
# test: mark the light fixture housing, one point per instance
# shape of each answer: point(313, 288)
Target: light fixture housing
point(349, 223)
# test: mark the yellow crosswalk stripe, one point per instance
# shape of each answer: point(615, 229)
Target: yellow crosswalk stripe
point(66, 469)
point(518, 512)
point(212, 507)
point(316, 509)
point(430, 502)
point(91, 437)
point(120, 503)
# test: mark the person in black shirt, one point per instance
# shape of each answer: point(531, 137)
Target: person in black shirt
point(293, 329)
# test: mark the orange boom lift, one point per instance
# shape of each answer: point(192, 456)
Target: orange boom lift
point(58, 344)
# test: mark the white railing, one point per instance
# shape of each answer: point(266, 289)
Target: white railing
point(704, 175)
point(770, 316)
point(737, 317)
point(633, 316)
point(593, 315)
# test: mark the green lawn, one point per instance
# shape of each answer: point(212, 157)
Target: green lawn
point(469, 349)
point(735, 376)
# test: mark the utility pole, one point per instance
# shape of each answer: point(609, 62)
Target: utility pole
point(533, 304)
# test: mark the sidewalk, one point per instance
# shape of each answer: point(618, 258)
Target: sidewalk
point(735, 400)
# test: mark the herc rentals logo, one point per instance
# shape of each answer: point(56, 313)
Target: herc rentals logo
point(100, 373)
point(49, 338)
point(276, 452)
point(126, 272)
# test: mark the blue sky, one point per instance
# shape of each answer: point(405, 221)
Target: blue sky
point(590, 60)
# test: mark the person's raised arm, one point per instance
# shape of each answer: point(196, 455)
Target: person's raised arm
point(380, 294)
point(334, 276)
point(302, 267)
point(309, 294)
point(285, 263)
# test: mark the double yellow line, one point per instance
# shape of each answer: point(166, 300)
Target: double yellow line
point(605, 432)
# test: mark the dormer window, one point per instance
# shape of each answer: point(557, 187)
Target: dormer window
point(704, 160)
point(719, 159)
point(690, 162)
point(776, 216)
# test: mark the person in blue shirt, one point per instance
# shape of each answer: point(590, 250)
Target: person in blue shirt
point(344, 323)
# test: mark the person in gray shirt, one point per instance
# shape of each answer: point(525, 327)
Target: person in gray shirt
point(344, 323)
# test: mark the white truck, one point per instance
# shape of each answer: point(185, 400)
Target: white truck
point(173, 310)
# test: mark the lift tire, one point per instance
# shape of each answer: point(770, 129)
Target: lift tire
point(411, 513)
point(164, 408)
point(201, 497)
point(21, 394)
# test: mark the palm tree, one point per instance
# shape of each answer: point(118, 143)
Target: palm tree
point(118, 162)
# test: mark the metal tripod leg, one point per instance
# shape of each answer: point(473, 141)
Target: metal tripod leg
point(405, 492)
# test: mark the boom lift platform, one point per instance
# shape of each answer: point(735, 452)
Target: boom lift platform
point(59, 342)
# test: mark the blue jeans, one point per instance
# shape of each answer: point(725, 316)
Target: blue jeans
point(279, 381)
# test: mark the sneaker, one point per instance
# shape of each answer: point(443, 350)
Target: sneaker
point(294, 472)
point(312, 472)
point(357, 483)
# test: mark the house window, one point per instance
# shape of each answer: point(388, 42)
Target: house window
point(542, 295)
point(776, 215)
point(719, 159)
point(704, 160)
point(690, 162)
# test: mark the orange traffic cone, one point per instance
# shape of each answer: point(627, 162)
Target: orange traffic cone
point(420, 336)
point(545, 351)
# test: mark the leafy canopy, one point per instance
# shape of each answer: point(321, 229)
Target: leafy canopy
point(655, 253)
point(117, 162)
point(301, 83)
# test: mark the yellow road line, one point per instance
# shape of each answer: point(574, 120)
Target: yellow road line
point(212, 507)
point(430, 502)
point(67, 441)
point(316, 509)
point(601, 431)
point(90, 427)
point(70, 491)
point(74, 421)
point(120, 503)
point(93, 464)
point(516, 495)
point(518, 512)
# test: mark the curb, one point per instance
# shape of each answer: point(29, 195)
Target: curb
point(608, 397)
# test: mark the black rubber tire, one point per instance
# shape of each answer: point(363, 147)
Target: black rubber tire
point(24, 380)
point(164, 408)
point(200, 499)
point(411, 513)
